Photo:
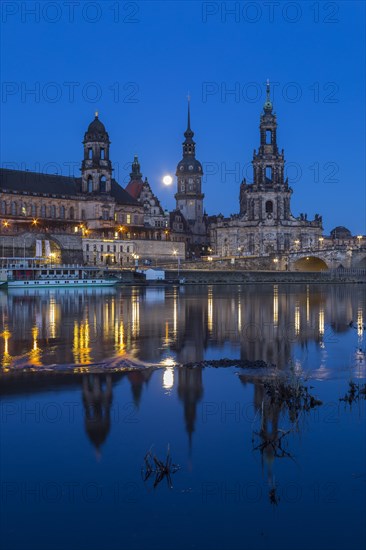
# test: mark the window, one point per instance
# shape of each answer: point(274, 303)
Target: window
point(24, 210)
point(34, 210)
point(83, 214)
point(135, 219)
point(103, 184)
point(269, 173)
point(90, 185)
point(90, 153)
point(62, 212)
point(101, 248)
point(128, 218)
point(269, 207)
point(53, 211)
point(128, 249)
point(3, 207)
point(43, 211)
point(105, 215)
point(102, 154)
point(72, 213)
point(121, 248)
point(268, 137)
point(108, 248)
point(87, 248)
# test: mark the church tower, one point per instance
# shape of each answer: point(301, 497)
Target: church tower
point(189, 196)
point(96, 168)
point(268, 198)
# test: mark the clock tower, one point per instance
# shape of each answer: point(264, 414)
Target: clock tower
point(189, 196)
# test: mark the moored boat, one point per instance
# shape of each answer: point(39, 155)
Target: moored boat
point(31, 272)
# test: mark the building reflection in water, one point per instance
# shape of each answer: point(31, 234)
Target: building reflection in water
point(97, 401)
point(89, 325)
point(190, 392)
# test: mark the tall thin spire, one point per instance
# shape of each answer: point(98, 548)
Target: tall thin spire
point(268, 104)
point(189, 112)
point(188, 134)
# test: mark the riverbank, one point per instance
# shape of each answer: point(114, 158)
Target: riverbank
point(241, 277)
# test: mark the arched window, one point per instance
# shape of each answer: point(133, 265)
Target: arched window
point(90, 184)
point(34, 210)
point(14, 208)
point(43, 211)
point(24, 209)
point(53, 211)
point(268, 136)
point(102, 154)
point(103, 184)
point(269, 173)
point(83, 217)
point(3, 207)
point(62, 212)
point(71, 213)
point(90, 153)
point(269, 207)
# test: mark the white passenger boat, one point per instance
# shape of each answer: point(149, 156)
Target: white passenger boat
point(31, 273)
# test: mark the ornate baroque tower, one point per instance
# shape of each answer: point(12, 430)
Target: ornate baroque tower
point(268, 198)
point(96, 169)
point(189, 195)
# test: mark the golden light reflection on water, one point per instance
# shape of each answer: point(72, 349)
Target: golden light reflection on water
point(359, 322)
point(35, 353)
point(81, 343)
point(321, 321)
point(297, 318)
point(135, 303)
point(210, 309)
point(119, 338)
point(7, 359)
point(89, 328)
point(53, 316)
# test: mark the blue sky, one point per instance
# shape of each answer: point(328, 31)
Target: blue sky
point(134, 62)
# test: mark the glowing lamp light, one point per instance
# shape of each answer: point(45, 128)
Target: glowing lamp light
point(167, 180)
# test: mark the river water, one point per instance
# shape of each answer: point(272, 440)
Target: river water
point(92, 380)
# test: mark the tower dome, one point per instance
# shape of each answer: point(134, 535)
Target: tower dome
point(96, 131)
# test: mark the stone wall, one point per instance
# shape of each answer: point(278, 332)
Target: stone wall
point(242, 277)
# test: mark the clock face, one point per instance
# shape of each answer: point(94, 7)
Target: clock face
point(190, 167)
point(181, 168)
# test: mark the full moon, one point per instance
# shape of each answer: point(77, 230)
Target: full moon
point(167, 180)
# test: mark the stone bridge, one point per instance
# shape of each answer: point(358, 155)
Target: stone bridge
point(327, 258)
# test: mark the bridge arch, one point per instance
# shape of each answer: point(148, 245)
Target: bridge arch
point(309, 263)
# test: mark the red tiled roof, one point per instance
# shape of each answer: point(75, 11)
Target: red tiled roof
point(134, 188)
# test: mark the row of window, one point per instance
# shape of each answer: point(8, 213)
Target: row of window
point(22, 209)
point(109, 259)
point(108, 248)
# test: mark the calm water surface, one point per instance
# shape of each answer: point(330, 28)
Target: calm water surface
point(73, 443)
